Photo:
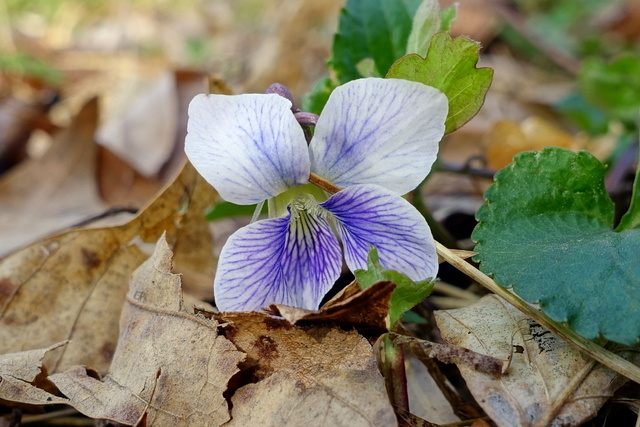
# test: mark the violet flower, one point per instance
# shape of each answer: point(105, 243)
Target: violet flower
point(376, 138)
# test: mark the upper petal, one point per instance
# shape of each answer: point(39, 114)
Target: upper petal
point(292, 260)
point(379, 131)
point(249, 147)
point(372, 215)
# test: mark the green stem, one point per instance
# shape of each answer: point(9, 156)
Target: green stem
point(394, 373)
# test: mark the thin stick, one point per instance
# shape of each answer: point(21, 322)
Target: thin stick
point(323, 184)
point(607, 358)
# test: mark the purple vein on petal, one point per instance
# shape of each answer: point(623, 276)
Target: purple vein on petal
point(249, 147)
point(379, 131)
point(372, 215)
point(292, 260)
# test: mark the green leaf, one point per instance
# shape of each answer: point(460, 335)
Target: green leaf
point(632, 218)
point(226, 209)
point(315, 100)
point(426, 23)
point(407, 293)
point(450, 66)
point(447, 17)
point(614, 87)
point(546, 229)
point(376, 29)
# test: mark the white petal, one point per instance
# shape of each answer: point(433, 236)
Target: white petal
point(289, 260)
point(249, 147)
point(372, 215)
point(379, 131)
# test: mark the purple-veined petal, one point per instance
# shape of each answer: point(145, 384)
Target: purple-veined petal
point(292, 260)
point(372, 215)
point(379, 131)
point(249, 147)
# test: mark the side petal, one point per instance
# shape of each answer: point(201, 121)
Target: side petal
point(292, 260)
point(372, 215)
point(249, 147)
point(379, 131)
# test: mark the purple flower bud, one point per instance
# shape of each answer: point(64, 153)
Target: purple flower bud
point(282, 90)
point(306, 119)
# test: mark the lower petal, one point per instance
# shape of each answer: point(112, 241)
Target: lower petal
point(372, 215)
point(293, 260)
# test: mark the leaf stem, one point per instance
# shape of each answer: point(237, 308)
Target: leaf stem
point(394, 372)
point(607, 358)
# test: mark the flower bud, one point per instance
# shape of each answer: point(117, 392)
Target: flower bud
point(282, 90)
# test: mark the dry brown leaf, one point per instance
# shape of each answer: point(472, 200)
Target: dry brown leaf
point(365, 311)
point(170, 365)
point(426, 400)
point(71, 286)
point(17, 120)
point(507, 138)
point(306, 375)
point(449, 353)
point(120, 183)
point(141, 122)
point(547, 380)
point(17, 373)
point(56, 191)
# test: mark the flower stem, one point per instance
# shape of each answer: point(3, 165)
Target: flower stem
point(394, 373)
point(323, 184)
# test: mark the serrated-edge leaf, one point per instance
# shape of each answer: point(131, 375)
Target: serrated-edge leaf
point(546, 231)
point(450, 65)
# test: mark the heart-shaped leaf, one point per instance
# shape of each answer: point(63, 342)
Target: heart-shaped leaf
point(546, 229)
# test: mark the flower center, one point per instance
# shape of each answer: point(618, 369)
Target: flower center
point(278, 205)
point(306, 203)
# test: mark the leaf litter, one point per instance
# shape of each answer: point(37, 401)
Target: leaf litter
point(546, 382)
point(71, 286)
point(173, 367)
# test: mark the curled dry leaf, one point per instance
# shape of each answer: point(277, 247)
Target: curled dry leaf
point(365, 311)
point(141, 126)
point(71, 286)
point(448, 353)
point(170, 366)
point(56, 191)
point(547, 381)
point(306, 375)
point(17, 373)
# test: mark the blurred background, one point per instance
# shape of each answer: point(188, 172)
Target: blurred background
point(143, 60)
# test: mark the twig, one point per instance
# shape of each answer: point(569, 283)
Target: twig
point(607, 358)
point(323, 184)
